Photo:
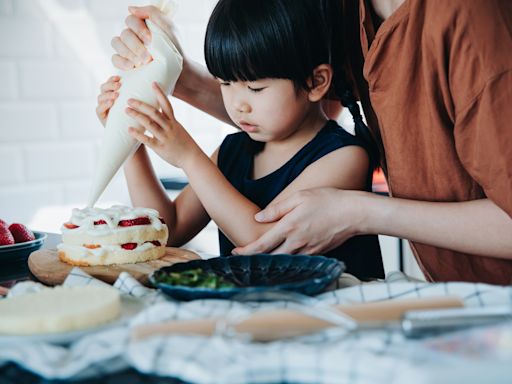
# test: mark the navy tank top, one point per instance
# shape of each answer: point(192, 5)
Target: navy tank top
point(361, 254)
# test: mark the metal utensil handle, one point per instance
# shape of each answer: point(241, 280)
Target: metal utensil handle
point(421, 323)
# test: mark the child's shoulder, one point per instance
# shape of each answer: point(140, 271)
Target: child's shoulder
point(333, 131)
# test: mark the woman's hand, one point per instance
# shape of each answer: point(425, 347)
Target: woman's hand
point(130, 46)
point(109, 92)
point(311, 222)
point(170, 140)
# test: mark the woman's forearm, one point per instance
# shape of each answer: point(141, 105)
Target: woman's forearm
point(197, 87)
point(476, 227)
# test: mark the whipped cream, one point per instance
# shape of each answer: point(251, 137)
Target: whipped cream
point(79, 252)
point(85, 218)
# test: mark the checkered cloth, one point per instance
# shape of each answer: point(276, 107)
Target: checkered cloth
point(331, 356)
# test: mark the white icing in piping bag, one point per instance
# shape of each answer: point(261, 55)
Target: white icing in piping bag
point(118, 145)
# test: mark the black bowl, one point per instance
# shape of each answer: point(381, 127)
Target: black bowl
point(16, 253)
point(308, 275)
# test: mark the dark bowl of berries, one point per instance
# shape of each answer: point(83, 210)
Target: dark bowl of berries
point(17, 242)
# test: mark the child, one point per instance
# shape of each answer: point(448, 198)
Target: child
point(272, 61)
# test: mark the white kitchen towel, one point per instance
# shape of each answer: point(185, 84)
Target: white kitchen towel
point(326, 357)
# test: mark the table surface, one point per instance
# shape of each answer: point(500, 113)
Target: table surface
point(11, 373)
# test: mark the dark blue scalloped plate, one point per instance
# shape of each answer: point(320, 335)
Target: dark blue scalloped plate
point(308, 275)
point(20, 252)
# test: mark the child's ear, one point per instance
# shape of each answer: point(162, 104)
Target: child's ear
point(320, 82)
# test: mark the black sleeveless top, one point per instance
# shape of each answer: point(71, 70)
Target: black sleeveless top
point(361, 254)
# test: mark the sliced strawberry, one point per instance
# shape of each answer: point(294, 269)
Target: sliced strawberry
point(92, 246)
point(70, 225)
point(6, 237)
point(100, 222)
point(129, 246)
point(21, 233)
point(137, 221)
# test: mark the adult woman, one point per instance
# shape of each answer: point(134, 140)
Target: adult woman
point(435, 81)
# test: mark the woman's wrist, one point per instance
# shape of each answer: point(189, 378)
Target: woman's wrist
point(372, 213)
point(186, 85)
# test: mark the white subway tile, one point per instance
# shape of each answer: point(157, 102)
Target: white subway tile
point(193, 10)
point(78, 121)
point(5, 7)
point(21, 203)
point(58, 161)
point(50, 10)
point(8, 81)
point(77, 193)
point(24, 38)
point(27, 122)
point(13, 157)
point(113, 9)
point(54, 79)
point(89, 43)
point(191, 35)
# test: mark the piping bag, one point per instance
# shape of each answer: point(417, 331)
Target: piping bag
point(165, 68)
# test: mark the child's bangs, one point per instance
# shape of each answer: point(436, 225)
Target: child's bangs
point(250, 45)
point(229, 60)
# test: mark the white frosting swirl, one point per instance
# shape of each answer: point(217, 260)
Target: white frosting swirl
point(85, 218)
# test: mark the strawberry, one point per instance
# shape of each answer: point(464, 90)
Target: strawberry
point(100, 222)
point(70, 225)
point(21, 233)
point(6, 237)
point(3, 224)
point(129, 246)
point(132, 222)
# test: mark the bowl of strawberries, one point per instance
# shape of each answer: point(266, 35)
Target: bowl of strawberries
point(17, 242)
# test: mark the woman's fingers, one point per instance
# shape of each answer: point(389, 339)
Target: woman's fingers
point(163, 102)
point(139, 27)
point(134, 44)
point(265, 244)
point(275, 211)
point(120, 45)
point(122, 63)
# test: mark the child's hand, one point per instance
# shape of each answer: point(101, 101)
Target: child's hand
point(170, 140)
point(109, 94)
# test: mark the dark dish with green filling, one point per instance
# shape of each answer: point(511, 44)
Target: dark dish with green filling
point(196, 278)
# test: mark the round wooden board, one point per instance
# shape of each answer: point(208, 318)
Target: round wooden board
point(46, 266)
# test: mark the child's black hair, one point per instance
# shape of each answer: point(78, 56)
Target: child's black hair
point(247, 40)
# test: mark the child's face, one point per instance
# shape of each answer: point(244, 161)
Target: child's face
point(267, 109)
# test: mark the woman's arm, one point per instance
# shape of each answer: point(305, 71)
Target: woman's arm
point(320, 219)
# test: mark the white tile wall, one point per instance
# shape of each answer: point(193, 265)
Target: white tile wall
point(54, 54)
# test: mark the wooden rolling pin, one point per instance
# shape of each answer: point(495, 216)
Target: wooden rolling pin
point(280, 324)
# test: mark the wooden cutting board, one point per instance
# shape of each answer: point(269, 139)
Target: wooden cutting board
point(46, 266)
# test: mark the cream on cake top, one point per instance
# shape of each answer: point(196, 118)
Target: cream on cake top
point(85, 218)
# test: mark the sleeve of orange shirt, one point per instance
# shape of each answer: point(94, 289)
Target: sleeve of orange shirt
point(481, 89)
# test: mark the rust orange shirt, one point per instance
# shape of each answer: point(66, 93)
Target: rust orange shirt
point(435, 81)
